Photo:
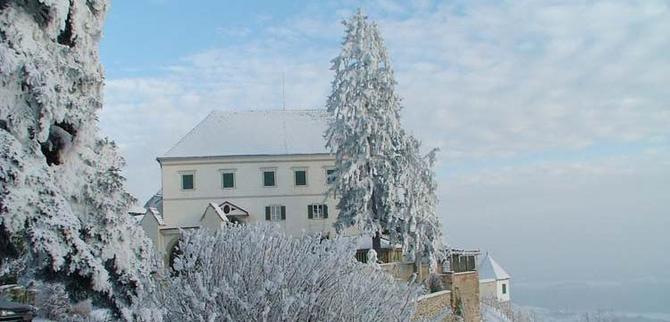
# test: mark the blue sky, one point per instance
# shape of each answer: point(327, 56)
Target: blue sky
point(552, 117)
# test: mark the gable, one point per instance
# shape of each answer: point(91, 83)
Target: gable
point(153, 215)
point(489, 269)
point(230, 209)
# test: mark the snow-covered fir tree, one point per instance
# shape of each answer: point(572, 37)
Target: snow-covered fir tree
point(63, 208)
point(423, 239)
point(383, 183)
point(256, 273)
point(364, 131)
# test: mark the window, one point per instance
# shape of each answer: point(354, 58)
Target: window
point(330, 176)
point(504, 290)
point(228, 179)
point(300, 177)
point(275, 213)
point(187, 182)
point(269, 178)
point(317, 211)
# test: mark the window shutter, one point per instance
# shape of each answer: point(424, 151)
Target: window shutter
point(310, 215)
point(267, 213)
point(283, 212)
point(325, 211)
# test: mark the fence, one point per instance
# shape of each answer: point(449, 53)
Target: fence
point(384, 255)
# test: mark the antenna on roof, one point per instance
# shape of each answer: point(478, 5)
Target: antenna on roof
point(283, 92)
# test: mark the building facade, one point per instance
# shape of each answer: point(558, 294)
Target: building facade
point(494, 281)
point(249, 166)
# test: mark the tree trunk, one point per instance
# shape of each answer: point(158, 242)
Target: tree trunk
point(377, 242)
point(418, 258)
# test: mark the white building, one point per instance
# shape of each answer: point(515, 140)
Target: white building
point(249, 167)
point(494, 282)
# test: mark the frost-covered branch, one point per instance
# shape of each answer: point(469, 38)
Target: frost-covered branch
point(63, 208)
point(256, 273)
point(383, 182)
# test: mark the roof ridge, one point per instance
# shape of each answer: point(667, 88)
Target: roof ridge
point(271, 110)
point(497, 272)
point(254, 132)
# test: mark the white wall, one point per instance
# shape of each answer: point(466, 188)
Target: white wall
point(499, 288)
point(493, 289)
point(151, 228)
point(488, 289)
point(183, 208)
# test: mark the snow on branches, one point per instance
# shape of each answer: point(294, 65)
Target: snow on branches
point(383, 183)
point(63, 209)
point(365, 128)
point(256, 273)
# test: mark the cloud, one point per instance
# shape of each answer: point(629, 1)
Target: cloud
point(552, 118)
point(481, 80)
point(514, 77)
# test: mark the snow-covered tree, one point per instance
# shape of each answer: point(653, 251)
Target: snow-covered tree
point(383, 182)
point(256, 273)
point(422, 240)
point(364, 131)
point(63, 208)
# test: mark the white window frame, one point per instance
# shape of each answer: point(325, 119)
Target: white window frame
point(181, 179)
point(318, 211)
point(275, 213)
point(227, 171)
point(296, 169)
point(263, 170)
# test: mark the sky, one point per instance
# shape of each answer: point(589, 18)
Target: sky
point(552, 118)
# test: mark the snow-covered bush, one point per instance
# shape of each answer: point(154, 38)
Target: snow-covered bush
point(52, 302)
point(256, 273)
point(63, 209)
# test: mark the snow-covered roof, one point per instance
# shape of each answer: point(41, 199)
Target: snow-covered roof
point(138, 218)
point(269, 132)
point(489, 269)
point(154, 212)
point(156, 201)
point(136, 210)
point(365, 242)
point(217, 211)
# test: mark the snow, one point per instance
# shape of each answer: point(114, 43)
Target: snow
point(64, 207)
point(490, 314)
point(269, 132)
point(256, 273)
point(489, 269)
point(365, 242)
point(156, 214)
point(156, 201)
point(382, 180)
point(136, 210)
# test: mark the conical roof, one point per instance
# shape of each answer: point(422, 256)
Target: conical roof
point(489, 269)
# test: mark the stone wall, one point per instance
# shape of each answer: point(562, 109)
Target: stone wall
point(465, 294)
point(404, 271)
point(461, 292)
point(431, 306)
